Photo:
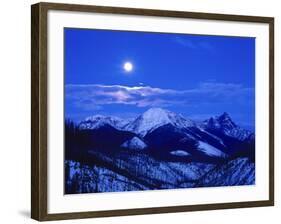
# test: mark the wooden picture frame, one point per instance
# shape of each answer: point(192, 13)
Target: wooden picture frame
point(39, 110)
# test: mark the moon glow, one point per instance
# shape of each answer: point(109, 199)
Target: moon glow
point(128, 66)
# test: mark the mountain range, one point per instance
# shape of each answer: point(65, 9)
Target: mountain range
point(161, 132)
point(116, 147)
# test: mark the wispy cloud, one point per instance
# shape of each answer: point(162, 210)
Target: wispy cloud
point(93, 97)
point(188, 43)
point(184, 42)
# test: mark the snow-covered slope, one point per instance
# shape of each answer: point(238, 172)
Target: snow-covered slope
point(91, 179)
point(156, 117)
point(134, 143)
point(138, 171)
point(97, 121)
point(210, 150)
point(180, 153)
point(225, 125)
point(240, 171)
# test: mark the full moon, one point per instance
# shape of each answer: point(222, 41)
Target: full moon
point(128, 66)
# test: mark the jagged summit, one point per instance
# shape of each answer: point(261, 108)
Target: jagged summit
point(97, 121)
point(225, 125)
point(225, 114)
point(224, 117)
point(156, 117)
point(226, 120)
point(223, 121)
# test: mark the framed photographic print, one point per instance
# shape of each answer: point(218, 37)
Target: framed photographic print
point(139, 111)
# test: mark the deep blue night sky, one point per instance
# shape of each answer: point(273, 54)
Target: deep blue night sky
point(197, 76)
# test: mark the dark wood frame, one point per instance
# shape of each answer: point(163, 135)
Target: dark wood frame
point(39, 110)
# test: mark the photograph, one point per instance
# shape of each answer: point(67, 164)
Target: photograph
point(157, 111)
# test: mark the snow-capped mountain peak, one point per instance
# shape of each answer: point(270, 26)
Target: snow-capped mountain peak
point(224, 124)
point(156, 117)
point(223, 121)
point(226, 121)
point(97, 121)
